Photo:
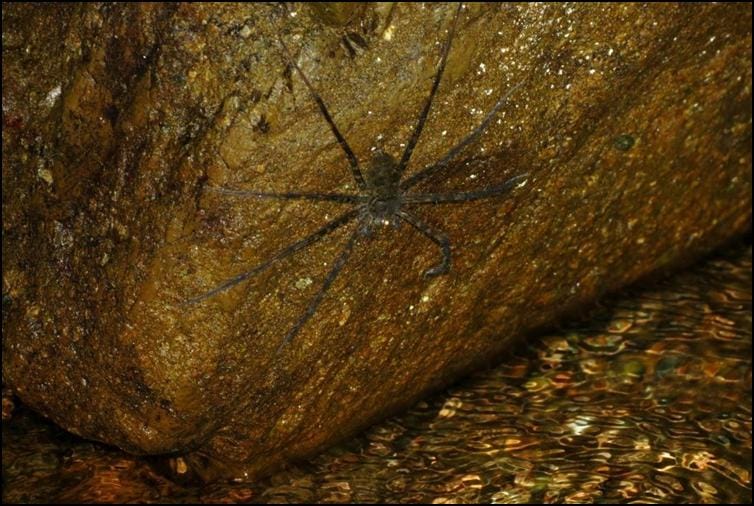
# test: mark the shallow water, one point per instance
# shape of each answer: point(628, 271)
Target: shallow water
point(647, 400)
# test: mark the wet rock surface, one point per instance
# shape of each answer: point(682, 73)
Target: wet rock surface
point(634, 124)
point(648, 399)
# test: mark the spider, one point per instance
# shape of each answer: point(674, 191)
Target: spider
point(383, 195)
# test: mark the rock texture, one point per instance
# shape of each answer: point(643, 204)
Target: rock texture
point(647, 400)
point(633, 122)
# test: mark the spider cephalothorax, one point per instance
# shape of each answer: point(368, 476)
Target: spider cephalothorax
point(384, 197)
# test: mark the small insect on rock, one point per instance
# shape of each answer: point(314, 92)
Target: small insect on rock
point(384, 196)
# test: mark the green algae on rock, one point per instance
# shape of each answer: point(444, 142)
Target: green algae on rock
point(117, 118)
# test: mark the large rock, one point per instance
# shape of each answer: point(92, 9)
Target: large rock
point(633, 122)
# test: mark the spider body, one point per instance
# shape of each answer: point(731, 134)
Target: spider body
point(383, 178)
point(384, 196)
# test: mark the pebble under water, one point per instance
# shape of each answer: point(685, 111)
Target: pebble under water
point(649, 399)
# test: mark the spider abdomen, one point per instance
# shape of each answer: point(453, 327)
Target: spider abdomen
point(383, 174)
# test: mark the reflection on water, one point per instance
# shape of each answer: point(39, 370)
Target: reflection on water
point(649, 400)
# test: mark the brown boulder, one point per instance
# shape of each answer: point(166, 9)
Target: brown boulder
point(633, 122)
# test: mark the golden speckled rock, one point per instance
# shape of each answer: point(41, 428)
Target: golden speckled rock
point(633, 123)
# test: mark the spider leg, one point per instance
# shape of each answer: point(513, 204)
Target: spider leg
point(286, 252)
point(455, 150)
point(331, 197)
point(436, 237)
point(425, 111)
point(338, 264)
point(352, 160)
point(452, 198)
